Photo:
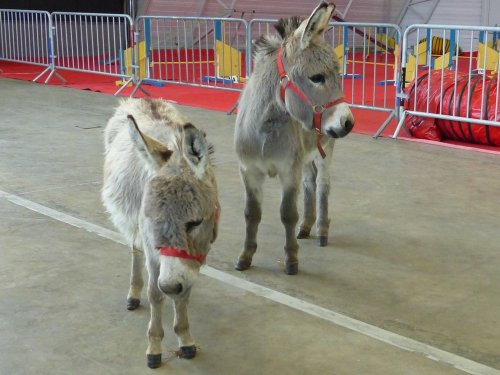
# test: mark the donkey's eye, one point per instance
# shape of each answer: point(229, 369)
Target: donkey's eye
point(190, 225)
point(317, 78)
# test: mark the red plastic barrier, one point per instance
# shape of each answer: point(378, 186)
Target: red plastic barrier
point(462, 100)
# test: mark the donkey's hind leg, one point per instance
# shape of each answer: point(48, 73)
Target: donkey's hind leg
point(253, 180)
point(289, 217)
point(309, 183)
point(323, 192)
point(136, 280)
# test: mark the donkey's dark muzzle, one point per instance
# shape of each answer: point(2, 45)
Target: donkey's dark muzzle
point(343, 132)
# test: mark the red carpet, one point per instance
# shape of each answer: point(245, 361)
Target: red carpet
point(367, 122)
point(218, 100)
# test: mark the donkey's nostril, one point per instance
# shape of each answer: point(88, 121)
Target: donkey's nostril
point(178, 289)
point(349, 125)
point(332, 133)
point(171, 288)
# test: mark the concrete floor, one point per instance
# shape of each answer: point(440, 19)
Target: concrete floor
point(414, 250)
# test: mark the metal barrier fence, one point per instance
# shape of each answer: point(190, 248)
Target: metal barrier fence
point(25, 37)
point(454, 78)
point(216, 53)
point(195, 51)
point(369, 56)
point(96, 43)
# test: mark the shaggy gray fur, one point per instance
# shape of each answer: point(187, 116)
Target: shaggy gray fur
point(160, 191)
point(273, 138)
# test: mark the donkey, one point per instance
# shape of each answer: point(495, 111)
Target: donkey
point(292, 98)
point(160, 191)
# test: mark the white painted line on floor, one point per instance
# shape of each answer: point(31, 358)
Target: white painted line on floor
point(61, 187)
point(65, 218)
point(366, 329)
point(341, 320)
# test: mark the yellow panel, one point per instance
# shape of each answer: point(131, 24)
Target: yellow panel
point(491, 56)
point(422, 59)
point(339, 52)
point(421, 47)
point(411, 67)
point(228, 60)
point(140, 54)
point(441, 61)
point(422, 53)
point(391, 42)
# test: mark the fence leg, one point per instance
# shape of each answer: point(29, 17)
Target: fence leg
point(42, 73)
point(400, 125)
point(52, 72)
point(384, 125)
point(59, 77)
point(125, 84)
point(233, 108)
point(138, 86)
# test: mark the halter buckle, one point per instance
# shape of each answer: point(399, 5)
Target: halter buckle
point(284, 80)
point(318, 108)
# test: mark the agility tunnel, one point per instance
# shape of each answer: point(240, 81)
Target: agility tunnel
point(452, 93)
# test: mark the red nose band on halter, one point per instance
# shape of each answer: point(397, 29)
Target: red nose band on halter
point(179, 253)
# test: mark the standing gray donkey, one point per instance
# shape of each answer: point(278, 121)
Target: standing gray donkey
point(292, 98)
point(160, 191)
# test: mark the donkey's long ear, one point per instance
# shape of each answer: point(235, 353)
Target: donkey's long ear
point(316, 24)
point(195, 148)
point(150, 149)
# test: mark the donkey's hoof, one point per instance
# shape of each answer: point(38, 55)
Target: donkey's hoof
point(242, 265)
point(322, 241)
point(133, 303)
point(302, 234)
point(292, 269)
point(188, 352)
point(154, 360)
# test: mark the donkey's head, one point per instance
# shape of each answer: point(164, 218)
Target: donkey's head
point(308, 71)
point(180, 207)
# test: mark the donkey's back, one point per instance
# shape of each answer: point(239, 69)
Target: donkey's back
point(125, 173)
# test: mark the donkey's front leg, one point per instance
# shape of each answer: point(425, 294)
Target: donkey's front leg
point(155, 329)
point(289, 217)
point(323, 192)
point(309, 184)
point(181, 326)
point(136, 281)
point(253, 181)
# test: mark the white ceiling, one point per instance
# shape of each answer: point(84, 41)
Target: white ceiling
point(464, 12)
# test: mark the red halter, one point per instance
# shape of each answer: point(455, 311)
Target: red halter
point(318, 109)
point(179, 253)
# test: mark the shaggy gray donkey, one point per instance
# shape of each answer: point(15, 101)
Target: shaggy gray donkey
point(160, 191)
point(291, 100)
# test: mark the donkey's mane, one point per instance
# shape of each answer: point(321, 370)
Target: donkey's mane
point(286, 26)
point(268, 44)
